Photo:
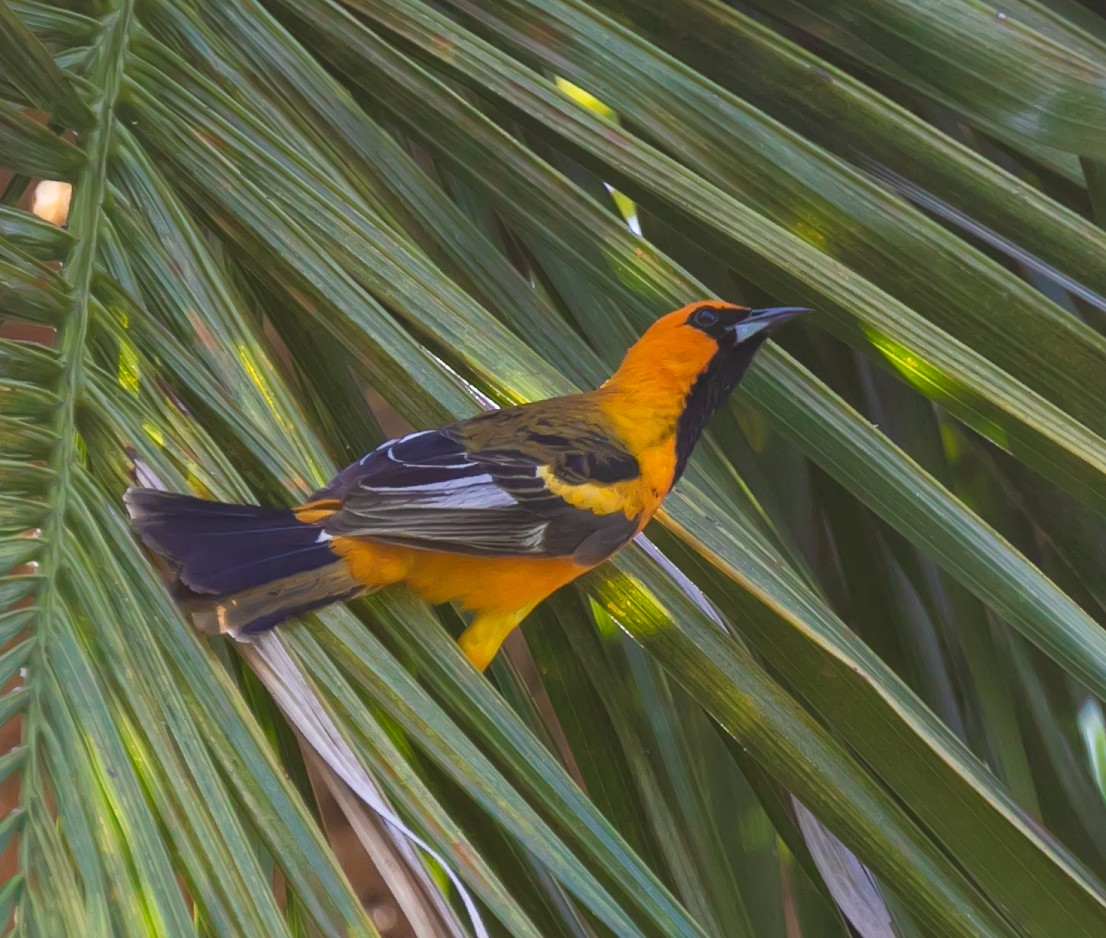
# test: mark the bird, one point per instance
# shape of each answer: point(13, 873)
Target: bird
point(493, 513)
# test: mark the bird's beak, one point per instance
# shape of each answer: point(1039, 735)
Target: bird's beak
point(766, 320)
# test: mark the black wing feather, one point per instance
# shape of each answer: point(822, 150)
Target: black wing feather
point(429, 491)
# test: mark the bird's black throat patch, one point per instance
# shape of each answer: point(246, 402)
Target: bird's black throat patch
point(709, 391)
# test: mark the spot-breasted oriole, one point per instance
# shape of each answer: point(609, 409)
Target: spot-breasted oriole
point(494, 512)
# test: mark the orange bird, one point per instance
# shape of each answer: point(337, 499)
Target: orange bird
point(493, 513)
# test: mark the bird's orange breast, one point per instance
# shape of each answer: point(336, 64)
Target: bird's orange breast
point(658, 472)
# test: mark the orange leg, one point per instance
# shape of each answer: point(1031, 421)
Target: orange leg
point(480, 641)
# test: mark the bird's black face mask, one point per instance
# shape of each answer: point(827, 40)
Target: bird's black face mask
point(739, 333)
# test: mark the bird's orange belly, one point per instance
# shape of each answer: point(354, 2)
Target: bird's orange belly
point(483, 584)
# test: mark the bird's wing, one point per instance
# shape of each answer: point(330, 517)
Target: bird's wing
point(495, 485)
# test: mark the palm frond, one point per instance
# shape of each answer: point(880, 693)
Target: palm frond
point(853, 671)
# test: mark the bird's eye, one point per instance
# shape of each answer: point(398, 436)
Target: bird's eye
point(704, 318)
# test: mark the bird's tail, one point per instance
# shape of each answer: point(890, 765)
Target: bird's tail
point(240, 568)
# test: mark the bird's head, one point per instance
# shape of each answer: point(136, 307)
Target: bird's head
point(705, 343)
point(697, 355)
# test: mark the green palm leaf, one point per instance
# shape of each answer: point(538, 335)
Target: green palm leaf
point(853, 674)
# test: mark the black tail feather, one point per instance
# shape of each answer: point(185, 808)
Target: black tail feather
point(220, 548)
point(243, 567)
